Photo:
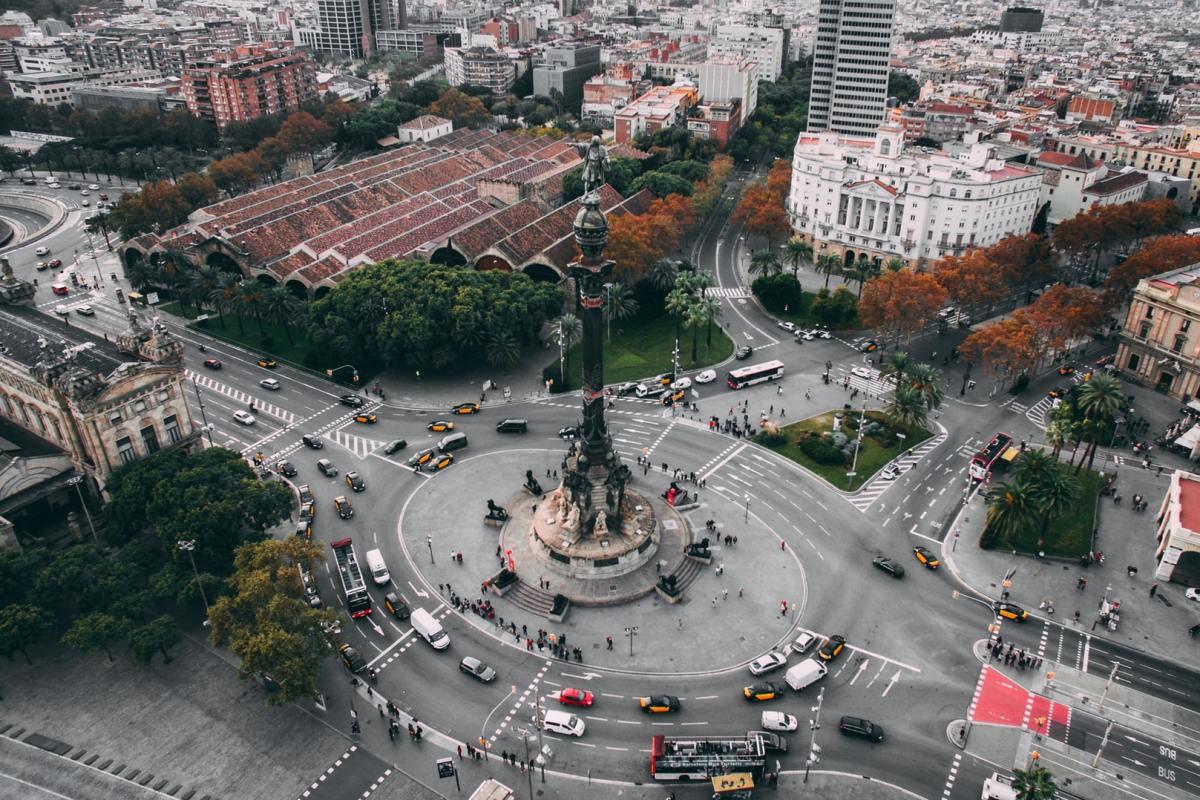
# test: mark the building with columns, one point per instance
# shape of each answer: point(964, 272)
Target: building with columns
point(876, 199)
point(1156, 345)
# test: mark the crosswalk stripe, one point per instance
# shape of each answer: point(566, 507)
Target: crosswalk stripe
point(241, 397)
point(867, 496)
point(359, 445)
point(729, 292)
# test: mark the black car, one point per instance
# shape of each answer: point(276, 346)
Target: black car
point(397, 607)
point(352, 400)
point(743, 352)
point(863, 728)
point(351, 658)
point(889, 566)
point(312, 440)
point(355, 481)
point(286, 468)
point(628, 387)
point(832, 648)
point(394, 445)
point(569, 432)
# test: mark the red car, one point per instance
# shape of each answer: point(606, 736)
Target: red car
point(55, 263)
point(212, 363)
point(59, 288)
point(575, 697)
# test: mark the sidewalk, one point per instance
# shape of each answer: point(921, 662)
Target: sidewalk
point(1125, 537)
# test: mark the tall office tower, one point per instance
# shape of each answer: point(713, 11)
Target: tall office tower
point(1021, 20)
point(345, 27)
point(850, 66)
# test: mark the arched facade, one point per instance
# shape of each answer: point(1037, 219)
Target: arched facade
point(488, 262)
point(542, 272)
point(223, 262)
point(133, 257)
point(448, 256)
point(298, 289)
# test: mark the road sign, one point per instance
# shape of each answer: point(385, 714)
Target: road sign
point(445, 767)
point(733, 782)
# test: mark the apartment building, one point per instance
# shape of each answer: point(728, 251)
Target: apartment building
point(1160, 338)
point(851, 60)
point(249, 82)
point(763, 46)
point(480, 66)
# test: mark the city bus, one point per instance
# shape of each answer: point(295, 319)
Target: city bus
point(357, 600)
point(998, 452)
point(747, 376)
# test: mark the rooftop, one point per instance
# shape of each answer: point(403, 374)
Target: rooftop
point(23, 329)
point(1189, 502)
point(1116, 183)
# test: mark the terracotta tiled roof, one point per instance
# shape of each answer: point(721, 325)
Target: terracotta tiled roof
point(1116, 183)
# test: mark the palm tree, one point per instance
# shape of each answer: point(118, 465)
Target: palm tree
point(141, 274)
point(765, 263)
point(100, 222)
point(829, 264)
point(678, 301)
point(896, 365)
point(663, 274)
point(907, 407)
point(712, 311)
point(503, 350)
point(695, 319)
point(1099, 400)
point(701, 282)
point(223, 295)
point(1034, 468)
point(1009, 510)
point(282, 308)
point(206, 276)
point(619, 304)
point(1052, 496)
point(250, 293)
point(568, 330)
point(798, 250)
point(895, 264)
point(925, 380)
point(1034, 784)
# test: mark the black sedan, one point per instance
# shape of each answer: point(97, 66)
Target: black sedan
point(352, 400)
point(394, 445)
point(743, 352)
point(889, 566)
point(286, 468)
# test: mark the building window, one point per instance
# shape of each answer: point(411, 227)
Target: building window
point(1134, 360)
point(1180, 341)
point(171, 424)
point(1144, 330)
point(114, 418)
point(125, 450)
point(1185, 326)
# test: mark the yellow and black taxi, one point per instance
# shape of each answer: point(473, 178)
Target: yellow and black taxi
point(442, 461)
point(342, 505)
point(1066, 369)
point(671, 398)
point(395, 606)
point(440, 425)
point(351, 658)
point(366, 419)
point(659, 704)
point(832, 648)
point(664, 378)
point(304, 530)
point(306, 495)
point(1010, 611)
point(926, 558)
point(1058, 391)
point(355, 481)
point(869, 346)
point(760, 692)
point(465, 408)
point(308, 511)
point(266, 362)
point(422, 457)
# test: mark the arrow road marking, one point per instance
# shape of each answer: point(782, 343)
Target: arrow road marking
point(861, 668)
point(587, 676)
point(375, 625)
point(417, 591)
point(891, 683)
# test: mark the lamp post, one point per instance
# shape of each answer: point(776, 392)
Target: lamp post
point(814, 725)
point(746, 519)
point(203, 416)
point(429, 541)
point(631, 632)
point(862, 424)
point(187, 546)
point(76, 481)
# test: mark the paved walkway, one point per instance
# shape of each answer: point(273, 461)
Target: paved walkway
point(1126, 538)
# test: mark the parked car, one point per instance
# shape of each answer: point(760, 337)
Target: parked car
point(790, 327)
point(803, 643)
point(351, 658)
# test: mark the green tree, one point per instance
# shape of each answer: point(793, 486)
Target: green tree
point(895, 264)
point(266, 623)
point(765, 263)
point(100, 222)
point(906, 407)
point(281, 307)
point(1034, 784)
point(158, 635)
point(895, 366)
point(619, 304)
point(661, 184)
point(663, 274)
point(678, 302)
point(1010, 510)
point(711, 312)
point(567, 331)
point(798, 250)
point(926, 381)
point(1099, 400)
point(503, 350)
point(828, 264)
point(95, 631)
point(21, 626)
point(250, 295)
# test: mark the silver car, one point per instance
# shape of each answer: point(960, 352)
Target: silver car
point(768, 662)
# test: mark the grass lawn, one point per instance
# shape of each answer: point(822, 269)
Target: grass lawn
point(1071, 534)
point(641, 346)
point(294, 352)
point(872, 456)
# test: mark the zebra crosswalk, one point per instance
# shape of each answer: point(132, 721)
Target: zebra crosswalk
point(361, 446)
point(875, 385)
point(285, 416)
point(867, 496)
point(1037, 413)
point(728, 292)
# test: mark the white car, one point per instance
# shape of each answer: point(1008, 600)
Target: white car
point(94, 187)
point(804, 642)
point(86, 311)
point(244, 417)
point(708, 376)
point(790, 327)
point(807, 336)
point(61, 310)
point(779, 721)
point(54, 185)
point(84, 193)
point(42, 251)
point(767, 662)
point(85, 203)
point(822, 333)
point(890, 472)
point(682, 383)
point(645, 390)
point(861, 372)
point(270, 384)
point(1192, 594)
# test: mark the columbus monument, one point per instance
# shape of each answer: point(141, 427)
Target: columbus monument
point(593, 524)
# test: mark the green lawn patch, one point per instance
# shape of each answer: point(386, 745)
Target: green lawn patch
point(874, 452)
point(271, 340)
point(641, 347)
point(1070, 535)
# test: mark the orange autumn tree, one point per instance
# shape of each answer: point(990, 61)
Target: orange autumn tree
point(1158, 255)
point(707, 192)
point(632, 243)
point(779, 179)
point(761, 212)
point(969, 278)
point(1004, 348)
point(1027, 260)
point(1061, 315)
point(900, 303)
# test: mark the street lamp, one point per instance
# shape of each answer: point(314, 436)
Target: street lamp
point(203, 415)
point(75, 481)
point(814, 725)
point(429, 541)
point(631, 632)
point(187, 546)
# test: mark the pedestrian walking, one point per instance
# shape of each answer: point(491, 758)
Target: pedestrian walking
point(680, 623)
point(782, 608)
point(782, 544)
point(504, 755)
point(725, 594)
point(807, 394)
point(608, 642)
point(1154, 590)
point(739, 591)
point(779, 389)
point(460, 752)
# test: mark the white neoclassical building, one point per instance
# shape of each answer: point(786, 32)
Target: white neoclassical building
point(876, 199)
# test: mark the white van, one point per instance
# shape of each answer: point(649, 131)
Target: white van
point(998, 787)
point(563, 722)
point(378, 569)
point(429, 629)
point(805, 674)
